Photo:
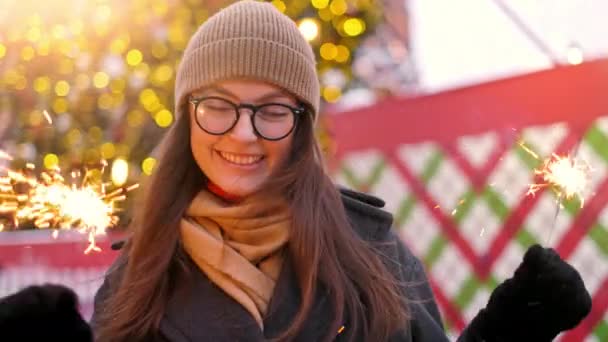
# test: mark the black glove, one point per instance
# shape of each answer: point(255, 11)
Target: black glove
point(43, 313)
point(544, 297)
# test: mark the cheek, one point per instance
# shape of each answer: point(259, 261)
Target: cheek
point(201, 145)
point(278, 151)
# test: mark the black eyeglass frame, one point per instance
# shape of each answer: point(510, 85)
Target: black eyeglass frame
point(297, 112)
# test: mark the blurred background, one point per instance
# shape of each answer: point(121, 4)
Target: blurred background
point(425, 103)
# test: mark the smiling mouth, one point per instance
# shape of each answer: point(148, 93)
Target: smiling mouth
point(240, 159)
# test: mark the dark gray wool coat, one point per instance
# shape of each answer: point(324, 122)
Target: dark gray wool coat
point(200, 311)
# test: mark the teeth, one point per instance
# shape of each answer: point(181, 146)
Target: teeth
point(241, 160)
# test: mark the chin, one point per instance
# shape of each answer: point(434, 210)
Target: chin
point(239, 190)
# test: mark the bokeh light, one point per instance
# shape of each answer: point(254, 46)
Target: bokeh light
point(120, 172)
point(309, 28)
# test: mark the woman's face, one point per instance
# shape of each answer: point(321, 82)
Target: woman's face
point(239, 161)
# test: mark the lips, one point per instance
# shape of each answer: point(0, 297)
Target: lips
point(241, 159)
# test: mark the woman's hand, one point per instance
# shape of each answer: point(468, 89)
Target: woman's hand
point(544, 297)
point(47, 312)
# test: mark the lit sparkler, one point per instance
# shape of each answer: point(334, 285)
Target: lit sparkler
point(49, 202)
point(566, 175)
point(570, 177)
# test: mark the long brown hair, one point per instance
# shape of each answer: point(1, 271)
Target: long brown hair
point(324, 249)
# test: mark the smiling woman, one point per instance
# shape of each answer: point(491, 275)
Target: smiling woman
point(241, 234)
point(240, 225)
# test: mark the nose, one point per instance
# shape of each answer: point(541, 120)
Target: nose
point(243, 130)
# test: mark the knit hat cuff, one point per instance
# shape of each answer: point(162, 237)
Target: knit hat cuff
point(248, 58)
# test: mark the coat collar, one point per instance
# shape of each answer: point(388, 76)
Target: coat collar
point(366, 215)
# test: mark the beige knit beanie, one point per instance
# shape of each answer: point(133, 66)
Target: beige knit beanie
point(249, 40)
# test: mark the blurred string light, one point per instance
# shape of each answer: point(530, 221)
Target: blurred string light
point(120, 171)
point(309, 28)
point(71, 65)
point(574, 54)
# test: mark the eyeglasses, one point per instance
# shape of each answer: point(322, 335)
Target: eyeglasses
point(270, 121)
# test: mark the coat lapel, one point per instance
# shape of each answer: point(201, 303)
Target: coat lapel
point(285, 304)
point(198, 310)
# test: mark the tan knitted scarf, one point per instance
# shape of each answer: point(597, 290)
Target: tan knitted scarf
point(238, 246)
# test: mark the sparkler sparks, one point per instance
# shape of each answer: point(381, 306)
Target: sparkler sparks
point(49, 202)
point(568, 176)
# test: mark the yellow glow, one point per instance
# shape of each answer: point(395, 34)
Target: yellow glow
point(149, 100)
point(160, 8)
point(101, 79)
point(108, 150)
point(73, 136)
point(343, 54)
point(123, 150)
point(44, 47)
point(325, 14)
point(320, 3)
point(34, 20)
point(159, 50)
point(142, 70)
point(177, 35)
point(328, 51)
point(42, 84)
point(575, 55)
point(58, 31)
point(163, 118)
point(66, 67)
point(280, 5)
point(105, 101)
point(60, 105)
point(331, 93)
point(91, 156)
point(27, 53)
point(36, 117)
point(21, 83)
point(338, 7)
point(163, 73)
point(119, 45)
point(95, 133)
point(309, 28)
point(147, 166)
point(33, 34)
point(2, 50)
point(353, 26)
point(134, 57)
point(51, 161)
point(118, 86)
point(103, 13)
point(120, 172)
point(62, 88)
point(11, 76)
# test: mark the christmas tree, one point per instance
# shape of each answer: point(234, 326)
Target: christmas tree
point(85, 81)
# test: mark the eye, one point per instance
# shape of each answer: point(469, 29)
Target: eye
point(216, 104)
point(274, 112)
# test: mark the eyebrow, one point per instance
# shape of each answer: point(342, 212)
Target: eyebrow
point(278, 94)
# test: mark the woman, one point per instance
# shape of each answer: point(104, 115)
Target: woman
point(241, 235)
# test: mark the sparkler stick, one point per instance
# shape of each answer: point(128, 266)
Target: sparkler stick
point(566, 175)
